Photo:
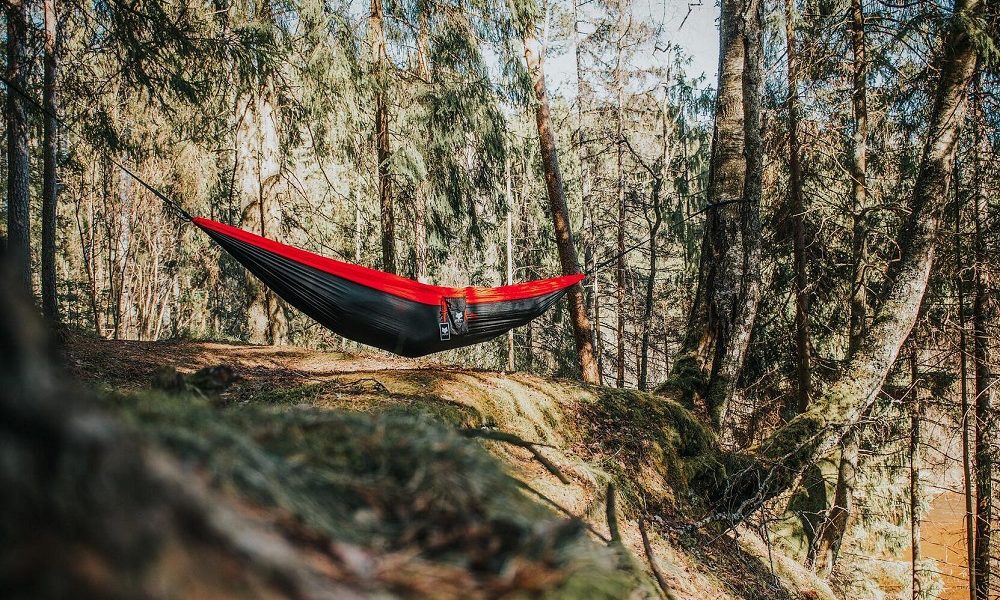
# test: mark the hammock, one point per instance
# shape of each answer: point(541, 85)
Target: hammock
point(387, 311)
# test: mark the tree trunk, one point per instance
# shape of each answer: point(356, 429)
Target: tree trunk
point(859, 178)
point(422, 191)
point(18, 161)
point(830, 534)
point(382, 152)
point(802, 370)
point(983, 314)
point(560, 212)
point(728, 291)
point(647, 314)
point(744, 273)
point(915, 467)
point(817, 431)
point(622, 215)
point(509, 192)
point(963, 379)
point(50, 146)
point(258, 150)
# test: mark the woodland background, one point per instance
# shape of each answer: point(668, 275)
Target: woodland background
point(816, 233)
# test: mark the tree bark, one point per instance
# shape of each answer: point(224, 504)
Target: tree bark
point(647, 314)
point(560, 212)
point(258, 155)
point(622, 214)
point(728, 291)
point(18, 161)
point(50, 146)
point(802, 370)
point(966, 423)
point(915, 467)
point(509, 192)
point(830, 534)
point(859, 178)
point(812, 434)
point(381, 134)
point(422, 192)
point(983, 313)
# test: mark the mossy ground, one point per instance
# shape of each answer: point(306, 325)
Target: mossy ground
point(364, 450)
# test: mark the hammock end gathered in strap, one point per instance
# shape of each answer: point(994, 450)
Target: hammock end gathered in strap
point(380, 309)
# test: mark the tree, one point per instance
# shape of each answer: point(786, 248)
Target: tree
point(983, 315)
point(18, 162)
point(557, 203)
point(815, 432)
point(50, 146)
point(379, 74)
point(729, 286)
point(859, 176)
point(802, 371)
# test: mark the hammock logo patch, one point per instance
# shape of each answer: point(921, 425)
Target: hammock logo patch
point(445, 331)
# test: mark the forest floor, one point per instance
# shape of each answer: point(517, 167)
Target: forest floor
point(286, 397)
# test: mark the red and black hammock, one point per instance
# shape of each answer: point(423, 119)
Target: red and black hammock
point(387, 311)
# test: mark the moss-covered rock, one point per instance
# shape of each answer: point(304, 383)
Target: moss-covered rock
point(645, 433)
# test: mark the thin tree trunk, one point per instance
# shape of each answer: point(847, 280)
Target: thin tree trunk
point(983, 312)
point(258, 149)
point(50, 145)
point(915, 466)
point(382, 152)
point(647, 314)
point(620, 225)
point(859, 178)
point(830, 534)
point(816, 432)
point(802, 370)
point(422, 191)
point(963, 372)
point(509, 192)
point(18, 162)
point(560, 212)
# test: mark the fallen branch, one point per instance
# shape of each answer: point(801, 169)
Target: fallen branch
point(510, 438)
point(501, 436)
point(655, 568)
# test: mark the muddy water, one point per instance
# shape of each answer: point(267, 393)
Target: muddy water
point(943, 538)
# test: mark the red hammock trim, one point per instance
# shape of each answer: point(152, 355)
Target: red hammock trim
point(394, 284)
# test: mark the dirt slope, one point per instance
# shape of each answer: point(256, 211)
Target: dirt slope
point(551, 413)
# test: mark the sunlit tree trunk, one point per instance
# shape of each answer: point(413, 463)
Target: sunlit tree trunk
point(729, 286)
point(258, 156)
point(18, 161)
point(422, 192)
point(622, 216)
point(560, 211)
point(509, 279)
point(50, 147)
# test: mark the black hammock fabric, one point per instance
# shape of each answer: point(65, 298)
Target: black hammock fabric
point(387, 311)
